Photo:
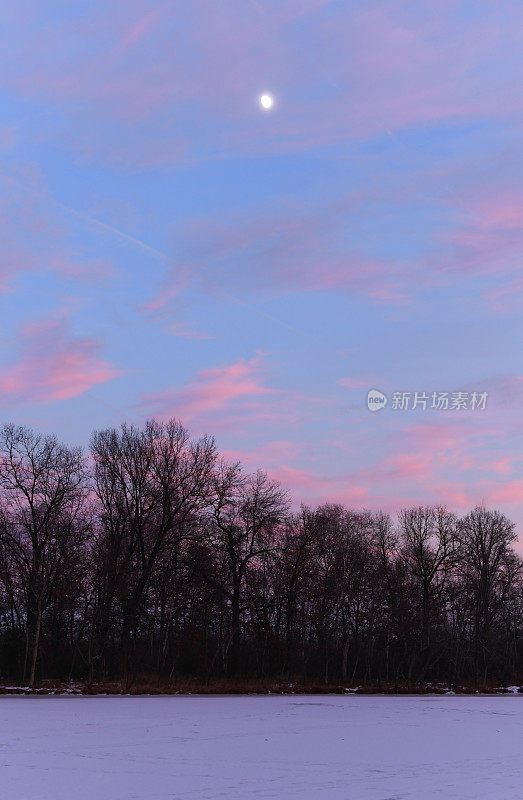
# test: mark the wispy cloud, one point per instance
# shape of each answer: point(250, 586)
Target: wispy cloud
point(510, 493)
point(33, 237)
point(227, 389)
point(277, 250)
point(367, 70)
point(180, 329)
point(236, 397)
point(53, 365)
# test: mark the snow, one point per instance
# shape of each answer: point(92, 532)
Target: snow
point(309, 747)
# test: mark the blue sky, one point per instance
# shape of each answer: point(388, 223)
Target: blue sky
point(170, 248)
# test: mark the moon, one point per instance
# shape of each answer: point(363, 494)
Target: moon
point(266, 101)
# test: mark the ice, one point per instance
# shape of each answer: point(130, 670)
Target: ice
point(322, 747)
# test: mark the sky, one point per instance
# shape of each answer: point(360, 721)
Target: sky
point(171, 248)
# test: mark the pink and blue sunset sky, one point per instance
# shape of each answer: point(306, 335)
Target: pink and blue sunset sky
point(169, 248)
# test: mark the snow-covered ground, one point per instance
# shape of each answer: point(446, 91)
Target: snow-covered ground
point(314, 747)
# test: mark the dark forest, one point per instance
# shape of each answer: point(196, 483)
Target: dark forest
point(150, 558)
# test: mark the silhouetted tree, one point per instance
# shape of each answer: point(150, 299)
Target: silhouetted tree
point(150, 484)
point(242, 524)
point(155, 558)
point(43, 485)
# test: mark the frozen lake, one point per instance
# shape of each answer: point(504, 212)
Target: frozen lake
point(309, 747)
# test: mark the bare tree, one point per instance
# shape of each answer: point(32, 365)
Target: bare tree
point(154, 558)
point(241, 525)
point(430, 548)
point(151, 484)
point(292, 576)
point(486, 537)
point(43, 485)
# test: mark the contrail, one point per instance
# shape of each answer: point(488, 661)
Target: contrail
point(163, 257)
point(147, 248)
point(117, 232)
point(92, 220)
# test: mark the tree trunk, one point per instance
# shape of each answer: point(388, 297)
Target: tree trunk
point(36, 641)
point(236, 637)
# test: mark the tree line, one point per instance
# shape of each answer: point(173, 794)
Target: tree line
point(152, 557)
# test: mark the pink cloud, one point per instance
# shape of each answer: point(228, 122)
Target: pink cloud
point(269, 455)
point(490, 237)
point(96, 270)
point(353, 383)
point(510, 493)
point(445, 462)
point(158, 305)
point(417, 466)
point(54, 365)
point(502, 465)
point(435, 436)
point(232, 397)
point(310, 488)
point(452, 494)
point(211, 391)
point(276, 249)
point(179, 329)
point(485, 238)
point(140, 28)
point(507, 296)
point(390, 66)
point(33, 235)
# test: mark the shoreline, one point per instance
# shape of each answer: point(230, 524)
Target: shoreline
point(219, 690)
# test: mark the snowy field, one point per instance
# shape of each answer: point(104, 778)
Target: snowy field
point(321, 747)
